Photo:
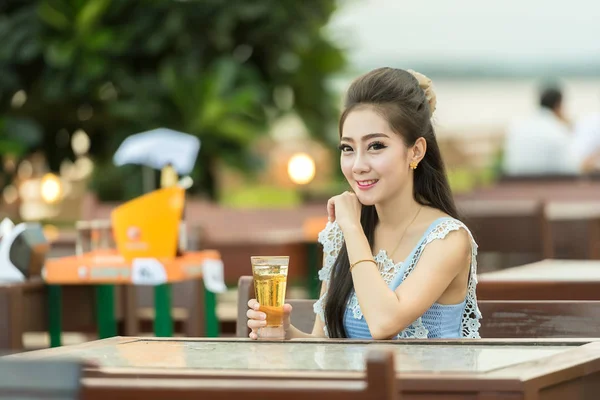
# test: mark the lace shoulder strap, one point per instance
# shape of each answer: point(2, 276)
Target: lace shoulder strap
point(471, 315)
point(438, 231)
point(332, 239)
point(444, 227)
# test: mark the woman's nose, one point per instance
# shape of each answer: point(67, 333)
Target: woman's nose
point(360, 165)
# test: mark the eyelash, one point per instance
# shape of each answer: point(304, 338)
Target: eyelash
point(379, 144)
point(344, 147)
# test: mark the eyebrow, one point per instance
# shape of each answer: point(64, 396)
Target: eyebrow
point(366, 137)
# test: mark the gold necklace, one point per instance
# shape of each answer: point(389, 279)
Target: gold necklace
point(404, 233)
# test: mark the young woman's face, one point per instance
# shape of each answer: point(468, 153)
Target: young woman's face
point(374, 159)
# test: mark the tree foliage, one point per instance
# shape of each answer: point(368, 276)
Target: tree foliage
point(220, 70)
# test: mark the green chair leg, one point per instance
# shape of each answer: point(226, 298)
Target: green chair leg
point(210, 311)
point(163, 321)
point(105, 311)
point(55, 315)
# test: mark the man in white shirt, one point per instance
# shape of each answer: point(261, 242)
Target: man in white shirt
point(541, 144)
point(586, 143)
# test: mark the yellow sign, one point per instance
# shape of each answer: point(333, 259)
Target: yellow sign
point(148, 226)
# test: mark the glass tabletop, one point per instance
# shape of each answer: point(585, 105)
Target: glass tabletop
point(290, 356)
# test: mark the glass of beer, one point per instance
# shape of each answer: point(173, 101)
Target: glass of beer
point(270, 279)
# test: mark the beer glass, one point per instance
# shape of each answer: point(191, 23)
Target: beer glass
point(270, 279)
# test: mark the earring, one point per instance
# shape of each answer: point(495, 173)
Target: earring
point(413, 165)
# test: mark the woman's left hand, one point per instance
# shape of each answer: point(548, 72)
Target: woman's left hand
point(345, 209)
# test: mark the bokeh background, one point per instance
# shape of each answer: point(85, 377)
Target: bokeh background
point(261, 81)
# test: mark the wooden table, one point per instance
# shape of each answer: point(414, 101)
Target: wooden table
point(24, 307)
point(432, 369)
point(106, 269)
point(544, 280)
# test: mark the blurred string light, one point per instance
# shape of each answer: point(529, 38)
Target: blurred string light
point(80, 142)
point(67, 169)
point(289, 129)
point(301, 168)
point(10, 194)
point(40, 195)
point(29, 190)
point(51, 188)
point(18, 99)
point(25, 170)
point(35, 211)
point(83, 168)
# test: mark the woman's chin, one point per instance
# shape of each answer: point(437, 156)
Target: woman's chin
point(365, 200)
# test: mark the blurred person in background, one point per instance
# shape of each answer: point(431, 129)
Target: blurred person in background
point(586, 143)
point(542, 143)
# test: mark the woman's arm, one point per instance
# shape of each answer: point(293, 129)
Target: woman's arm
point(318, 331)
point(386, 311)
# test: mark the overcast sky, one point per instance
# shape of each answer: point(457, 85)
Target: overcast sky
point(511, 33)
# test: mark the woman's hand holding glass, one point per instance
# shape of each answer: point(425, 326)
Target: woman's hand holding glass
point(258, 319)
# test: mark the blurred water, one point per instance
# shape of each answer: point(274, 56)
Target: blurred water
point(512, 35)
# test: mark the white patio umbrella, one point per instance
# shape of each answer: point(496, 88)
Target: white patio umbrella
point(157, 148)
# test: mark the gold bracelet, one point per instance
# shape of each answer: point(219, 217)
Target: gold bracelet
point(361, 261)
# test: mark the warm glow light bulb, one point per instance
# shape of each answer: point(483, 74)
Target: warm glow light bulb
point(51, 188)
point(301, 169)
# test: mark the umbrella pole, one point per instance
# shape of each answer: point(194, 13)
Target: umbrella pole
point(148, 179)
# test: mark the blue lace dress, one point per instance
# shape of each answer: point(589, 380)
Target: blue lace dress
point(440, 320)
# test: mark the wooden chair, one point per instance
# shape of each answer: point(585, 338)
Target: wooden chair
point(575, 229)
point(39, 379)
point(380, 384)
point(501, 319)
point(517, 230)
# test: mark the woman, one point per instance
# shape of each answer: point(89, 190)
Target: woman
point(397, 261)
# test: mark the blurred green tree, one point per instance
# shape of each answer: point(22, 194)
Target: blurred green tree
point(221, 70)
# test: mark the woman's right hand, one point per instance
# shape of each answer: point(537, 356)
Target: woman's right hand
point(258, 319)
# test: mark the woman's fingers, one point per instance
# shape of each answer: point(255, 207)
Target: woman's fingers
point(256, 319)
point(255, 324)
point(253, 304)
point(251, 314)
point(331, 209)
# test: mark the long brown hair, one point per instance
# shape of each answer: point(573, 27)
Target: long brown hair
point(396, 95)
